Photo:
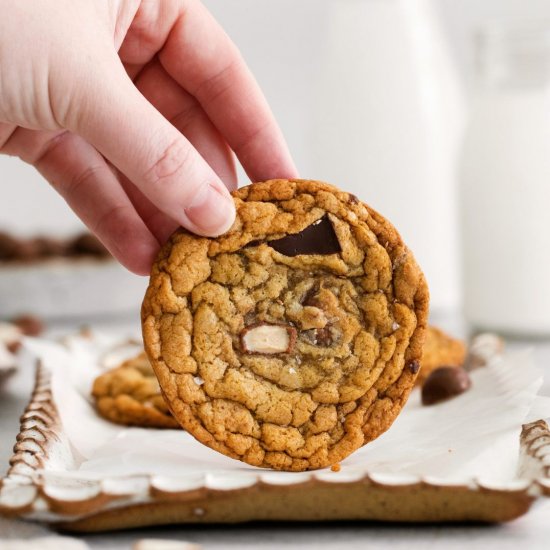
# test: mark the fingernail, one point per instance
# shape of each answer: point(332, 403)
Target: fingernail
point(212, 211)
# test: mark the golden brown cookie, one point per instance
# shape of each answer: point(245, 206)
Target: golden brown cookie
point(293, 339)
point(440, 350)
point(130, 395)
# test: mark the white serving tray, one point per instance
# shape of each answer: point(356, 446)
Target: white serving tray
point(464, 460)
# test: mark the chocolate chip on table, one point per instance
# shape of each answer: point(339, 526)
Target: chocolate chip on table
point(29, 325)
point(318, 238)
point(444, 383)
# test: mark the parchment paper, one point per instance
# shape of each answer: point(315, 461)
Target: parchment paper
point(475, 435)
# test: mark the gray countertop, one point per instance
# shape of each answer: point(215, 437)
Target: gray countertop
point(532, 530)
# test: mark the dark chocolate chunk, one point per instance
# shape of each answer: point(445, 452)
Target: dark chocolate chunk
point(310, 298)
point(324, 337)
point(414, 366)
point(253, 243)
point(318, 238)
point(444, 383)
point(318, 336)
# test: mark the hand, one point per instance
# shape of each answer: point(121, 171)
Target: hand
point(131, 110)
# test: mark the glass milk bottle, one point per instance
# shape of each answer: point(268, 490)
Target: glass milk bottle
point(505, 183)
point(388, 121)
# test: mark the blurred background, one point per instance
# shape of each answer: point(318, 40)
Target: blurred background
point(376, 96)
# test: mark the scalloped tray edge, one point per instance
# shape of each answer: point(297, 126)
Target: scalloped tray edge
point(137, 501)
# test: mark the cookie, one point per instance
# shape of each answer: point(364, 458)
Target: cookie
point(296, 337)
point(42, 247)
point(130, 395)
point(440, 349)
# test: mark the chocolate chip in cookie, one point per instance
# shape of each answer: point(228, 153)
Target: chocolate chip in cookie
point(318, 238)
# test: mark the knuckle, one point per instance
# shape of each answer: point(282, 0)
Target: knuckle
point(35, 147)
point(187, 117)
point(113, 221)
point(218, 84)
point(170, 167)
point(255, 134)
point(72, 186)
point(7, 132)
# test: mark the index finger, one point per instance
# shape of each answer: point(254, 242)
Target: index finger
point(200, 56)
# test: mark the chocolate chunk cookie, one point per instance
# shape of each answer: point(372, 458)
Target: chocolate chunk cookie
point(440, 349)
point(296, 337)
point(130, 395)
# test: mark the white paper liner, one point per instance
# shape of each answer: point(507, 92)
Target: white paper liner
point(473, 436)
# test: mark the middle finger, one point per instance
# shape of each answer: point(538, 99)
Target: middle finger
point(187, 115)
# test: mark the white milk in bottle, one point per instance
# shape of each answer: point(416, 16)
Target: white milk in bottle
point(505, 183)
point(388, 125)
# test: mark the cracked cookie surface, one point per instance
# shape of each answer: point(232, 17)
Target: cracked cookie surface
point(293, 339)
point(130, 395)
